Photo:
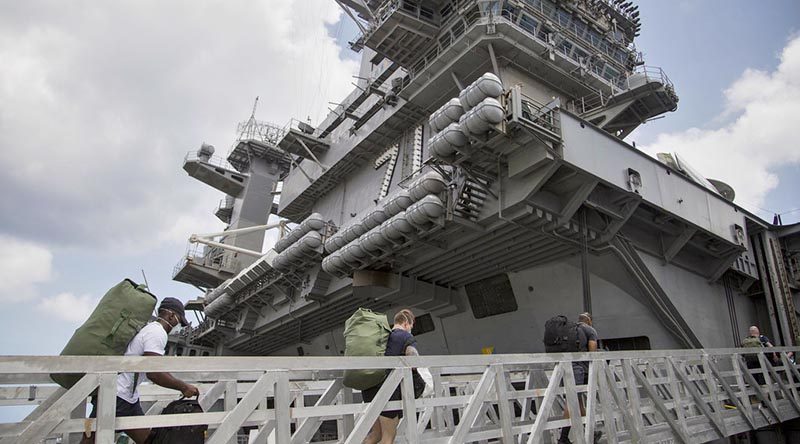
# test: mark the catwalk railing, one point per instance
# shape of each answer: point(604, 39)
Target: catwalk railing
point(680, 395)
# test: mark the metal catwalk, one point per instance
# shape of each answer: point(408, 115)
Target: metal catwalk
point(643, 396)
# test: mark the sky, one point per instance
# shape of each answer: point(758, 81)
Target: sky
point(101, 101)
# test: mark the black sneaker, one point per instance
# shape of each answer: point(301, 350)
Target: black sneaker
point(597, 435)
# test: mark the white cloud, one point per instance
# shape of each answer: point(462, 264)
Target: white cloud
point(23, 265)
point(100, 101)
point(761, 136)
point(67, 307)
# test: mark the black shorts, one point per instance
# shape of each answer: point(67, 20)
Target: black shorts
point(124, 408)
point(581, 374)
point(369, 394)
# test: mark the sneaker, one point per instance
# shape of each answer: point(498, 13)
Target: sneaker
point(597, 435)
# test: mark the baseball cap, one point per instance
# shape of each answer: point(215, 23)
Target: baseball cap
point(176, 306)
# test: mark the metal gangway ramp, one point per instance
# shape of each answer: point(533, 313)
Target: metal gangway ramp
point(642, 396)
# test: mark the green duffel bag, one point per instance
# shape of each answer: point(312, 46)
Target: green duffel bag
point(365, 334)
point(122, 312)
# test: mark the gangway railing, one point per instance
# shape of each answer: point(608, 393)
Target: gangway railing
point(678, 395)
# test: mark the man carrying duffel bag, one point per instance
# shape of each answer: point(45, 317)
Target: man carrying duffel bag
point(151, 340)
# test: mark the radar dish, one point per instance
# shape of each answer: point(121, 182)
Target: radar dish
point(724, 189)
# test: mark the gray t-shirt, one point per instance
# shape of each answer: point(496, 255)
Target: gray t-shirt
point(586, 333)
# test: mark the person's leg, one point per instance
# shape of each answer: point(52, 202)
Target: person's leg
point(388, 428)
point(374, 435)
point(580, 379)
point(125, 408)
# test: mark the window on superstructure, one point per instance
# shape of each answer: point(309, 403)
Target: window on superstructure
point(423, 324)
point(457, 29)
point(620, 344)
point(611, 73)
point(564, 18)
point(446, 11)
point(566, 47)
point(491, 296)
point(527, 23)
point(543, 32)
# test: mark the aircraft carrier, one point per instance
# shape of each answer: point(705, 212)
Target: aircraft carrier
point(478, 173)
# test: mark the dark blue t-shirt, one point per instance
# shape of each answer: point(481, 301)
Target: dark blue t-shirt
point(399, 339)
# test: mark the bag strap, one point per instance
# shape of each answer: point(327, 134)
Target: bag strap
point(135, 382)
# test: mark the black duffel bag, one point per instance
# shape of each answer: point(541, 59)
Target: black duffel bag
point(193, 434)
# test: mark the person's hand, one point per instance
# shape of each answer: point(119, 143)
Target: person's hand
point(190, 391)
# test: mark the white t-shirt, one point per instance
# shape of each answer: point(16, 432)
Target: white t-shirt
point(152, 338)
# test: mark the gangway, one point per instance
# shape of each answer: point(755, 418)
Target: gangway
point(632, 396)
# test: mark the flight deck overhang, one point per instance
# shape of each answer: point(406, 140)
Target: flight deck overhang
point(604, 156)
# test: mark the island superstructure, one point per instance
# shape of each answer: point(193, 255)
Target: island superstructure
point(478, 173)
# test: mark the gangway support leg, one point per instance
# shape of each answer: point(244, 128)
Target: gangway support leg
point(731, 394)
point(42, 426)
point(364, 423)
point(211, 396)
point(758, 390)
point(473, 407)
point(662, 409)
point(786, 392)
point(622, 405)
point(283, 418)
point(633, 396)
point(606, 403)
point(677, 397)
point(106, 407)
point(309, 426)
point(591, 401)
point(698, 398)
point(409, 407)
point(573, 404)
point(714, 390)
point(234, 419)
point(501, 384)
point(547, 403)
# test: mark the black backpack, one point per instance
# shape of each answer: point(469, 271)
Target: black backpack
point(195, 434)
point(561, 335)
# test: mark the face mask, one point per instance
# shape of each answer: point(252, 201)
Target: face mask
point(175, 328)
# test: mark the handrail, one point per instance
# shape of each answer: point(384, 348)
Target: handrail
point(212, 160)
point(689, 395)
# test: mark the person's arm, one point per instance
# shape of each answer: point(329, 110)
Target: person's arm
point(166, 380)
point(412, 351)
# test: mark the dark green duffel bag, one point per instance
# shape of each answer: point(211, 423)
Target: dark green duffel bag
point(365, 334)
point(122, 312)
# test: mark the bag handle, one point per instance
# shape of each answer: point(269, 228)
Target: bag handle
point(123, 316)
